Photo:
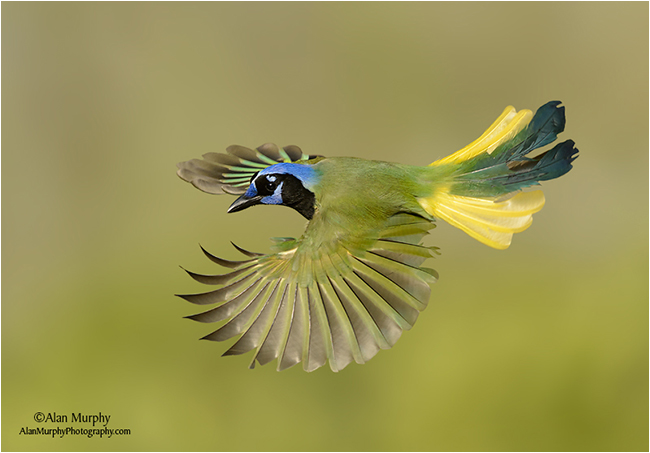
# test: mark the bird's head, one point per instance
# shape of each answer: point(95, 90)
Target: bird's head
point(282, 184)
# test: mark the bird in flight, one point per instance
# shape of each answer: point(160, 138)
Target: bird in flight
point(354, 280)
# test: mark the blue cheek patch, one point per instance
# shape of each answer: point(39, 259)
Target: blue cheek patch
point(251, 192)
point(276, 198)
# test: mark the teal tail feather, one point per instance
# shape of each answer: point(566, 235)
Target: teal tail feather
point(508, 169)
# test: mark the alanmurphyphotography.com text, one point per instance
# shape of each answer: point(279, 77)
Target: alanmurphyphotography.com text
point(93, 425)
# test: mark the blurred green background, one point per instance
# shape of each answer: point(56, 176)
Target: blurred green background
point(541, 347)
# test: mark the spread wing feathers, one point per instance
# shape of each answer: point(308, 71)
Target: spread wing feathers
point(219, 173)
point(348, 307)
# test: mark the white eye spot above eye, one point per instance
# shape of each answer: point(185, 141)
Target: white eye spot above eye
point(271, 178)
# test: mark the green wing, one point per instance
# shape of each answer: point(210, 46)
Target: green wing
point(297, 305)
point(231, 173)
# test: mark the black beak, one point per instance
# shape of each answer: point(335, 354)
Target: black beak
point(244, 202)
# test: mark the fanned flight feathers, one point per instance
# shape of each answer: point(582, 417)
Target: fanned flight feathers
point(231, 173)
point(345, 307)
point(354, 281)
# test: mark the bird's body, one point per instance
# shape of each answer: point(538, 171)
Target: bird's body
point(354, 281)
point(386, 189)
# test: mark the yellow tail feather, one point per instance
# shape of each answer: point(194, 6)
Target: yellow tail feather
point(490, 221)
point(509, 124)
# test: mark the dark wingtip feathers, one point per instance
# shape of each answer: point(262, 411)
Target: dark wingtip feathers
point(246, 252)
point(222, 262)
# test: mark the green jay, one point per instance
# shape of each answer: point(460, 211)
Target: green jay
point(354, 280)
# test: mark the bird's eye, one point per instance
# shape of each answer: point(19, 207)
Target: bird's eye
point(266, 184)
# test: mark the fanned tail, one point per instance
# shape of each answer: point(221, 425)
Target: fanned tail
point(473, 194)
point(487, 220)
